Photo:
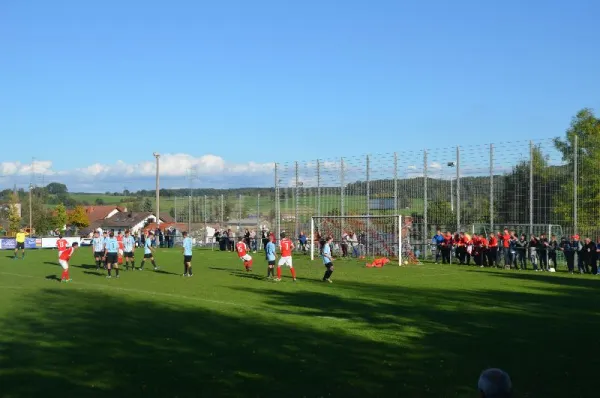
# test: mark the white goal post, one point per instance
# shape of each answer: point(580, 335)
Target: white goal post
point(376, 236)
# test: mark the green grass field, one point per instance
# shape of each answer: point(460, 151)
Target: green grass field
point(415, 331)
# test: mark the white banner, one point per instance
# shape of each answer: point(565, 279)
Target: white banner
point(51, 242)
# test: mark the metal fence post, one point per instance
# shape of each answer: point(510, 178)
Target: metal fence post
point(425, 231)
point(257, 214)
point(222, 210)
point(205, 213)
point(296, 204)
point(343, 188)
point(575, 184)
point(530, 187)
point(239, 211)
point(277, 204)
point(318, 188)
point(492, 187)
point(368, 203)
point(175, 208)
point(395, 184)
point(458, 188)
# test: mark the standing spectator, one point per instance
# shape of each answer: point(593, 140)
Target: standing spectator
point(533, 257)
point(597, 254)
point(567, 249)
point(161, 238)
point(438, 240)
point(446, 248)
point(512, 247)
point(577, 247)
point(543, 252)
point(247, 238)
point(253, 241)
point(168, 237)
point(589, 256)
point(552, 248)
point(353, 242)
point(302, 241)
point(500, 251)
point(521, 250)
point(231, 235)
point(224, 241)
point(344, 244)
point(493, 250)
point(506, 248)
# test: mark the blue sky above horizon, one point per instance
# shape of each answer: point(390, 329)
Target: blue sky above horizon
point(90, 90)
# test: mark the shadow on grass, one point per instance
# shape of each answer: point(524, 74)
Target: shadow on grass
point(53, 278)
point(352, 340)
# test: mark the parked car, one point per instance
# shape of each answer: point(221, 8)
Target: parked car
point(85, 242)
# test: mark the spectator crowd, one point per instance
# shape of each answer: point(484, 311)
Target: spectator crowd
point(517, 251)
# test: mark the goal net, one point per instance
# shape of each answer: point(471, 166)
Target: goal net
point(361, 236)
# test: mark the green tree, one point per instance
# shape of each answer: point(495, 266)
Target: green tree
point(586, 127)
point(147, 206)
point(14, 216)
point(60, 217)
point(56, 188)
point(78, 218)
point(99, 201)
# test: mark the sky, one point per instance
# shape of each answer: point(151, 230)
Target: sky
point(91, 89)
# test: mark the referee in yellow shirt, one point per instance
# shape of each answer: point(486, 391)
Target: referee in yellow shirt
point(20, 244)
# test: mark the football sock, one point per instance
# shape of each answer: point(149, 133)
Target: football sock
point(133, 264)
point(278, 272)
point(117, 271)
point(190, 270)
point(109, 271)
point(185, 268)
point(154, 263)
point(293, 273)
point(67, 273)
point(142, 266)
point(126, 264)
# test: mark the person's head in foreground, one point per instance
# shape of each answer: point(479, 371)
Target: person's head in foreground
point(494, 383)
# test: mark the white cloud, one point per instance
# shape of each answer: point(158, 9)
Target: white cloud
point(211, 171)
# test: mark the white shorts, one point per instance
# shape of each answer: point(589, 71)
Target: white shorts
point(285, 261)
point(63, 264)
point(246, 258)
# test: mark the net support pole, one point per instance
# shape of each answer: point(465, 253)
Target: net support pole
point(458, 189)
point(395, 184)
point(312, 238)
point(342, 191)
point(399, 240)
point(277, 202)
point(368, 172)
point(491, 187)
point(318, 188)
point(425, 231)
point(530, 187)
point(296, 199)
point(575, 178)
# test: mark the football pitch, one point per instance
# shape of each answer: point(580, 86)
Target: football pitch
point(414, 331)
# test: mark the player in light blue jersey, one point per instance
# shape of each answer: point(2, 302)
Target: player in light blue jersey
point(98, 249)
point(148, 250)
point(112, 254)
point(327, 258)
point(129, 247)
point(270, 255)
point(187, 255)
point(104, 240)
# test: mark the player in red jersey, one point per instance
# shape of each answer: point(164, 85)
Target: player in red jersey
point(242, 251)
point(61, 244)
point(285, 246)
point(63, 260)
point(121, 247)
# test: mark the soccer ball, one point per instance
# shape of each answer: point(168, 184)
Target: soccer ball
point(552, 270)
point(405, 262)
